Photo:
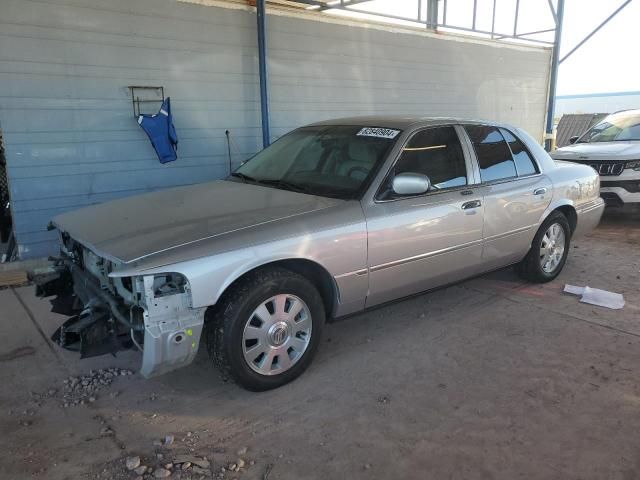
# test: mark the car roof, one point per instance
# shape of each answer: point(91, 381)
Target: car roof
point(630, 111)
point(401, 121)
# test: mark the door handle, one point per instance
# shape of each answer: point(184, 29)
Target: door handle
point(540, 191)
point(471, 204)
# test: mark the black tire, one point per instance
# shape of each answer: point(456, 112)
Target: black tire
point(530, 267)
point(226, 322)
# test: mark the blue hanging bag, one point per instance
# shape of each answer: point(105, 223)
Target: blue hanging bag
point(160, 130)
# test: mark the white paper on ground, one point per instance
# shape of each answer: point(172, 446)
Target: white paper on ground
point(573, 289)
point(595, 296)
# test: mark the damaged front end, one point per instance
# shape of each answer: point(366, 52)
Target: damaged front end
point(109, 313)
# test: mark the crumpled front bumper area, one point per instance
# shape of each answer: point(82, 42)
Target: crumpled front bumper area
point(91, 333)
point(164, 328)
point(97, 323)
point(172, 330)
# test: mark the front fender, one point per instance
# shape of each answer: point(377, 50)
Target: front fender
point(209, 277)
point(338, 251)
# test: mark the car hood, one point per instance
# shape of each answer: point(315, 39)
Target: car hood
point(599, 151)
point(132, 228)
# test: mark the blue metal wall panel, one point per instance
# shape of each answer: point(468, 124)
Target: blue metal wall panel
point(66, 114)
point(65, 110)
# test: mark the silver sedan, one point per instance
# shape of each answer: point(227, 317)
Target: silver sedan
point(331, 219)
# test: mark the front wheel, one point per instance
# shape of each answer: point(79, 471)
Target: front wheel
point(548, 252)
point(266, 329)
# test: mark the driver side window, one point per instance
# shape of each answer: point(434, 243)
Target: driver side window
point(434, 152)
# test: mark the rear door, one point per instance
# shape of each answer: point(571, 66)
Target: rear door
point(419, 242)
point(515, 193)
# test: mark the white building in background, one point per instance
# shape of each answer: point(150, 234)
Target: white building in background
point(596, 102)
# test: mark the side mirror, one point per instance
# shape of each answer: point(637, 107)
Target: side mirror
point(574, 139)
point(410, 184)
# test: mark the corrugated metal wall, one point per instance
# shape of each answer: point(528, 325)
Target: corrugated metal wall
point(66, 113)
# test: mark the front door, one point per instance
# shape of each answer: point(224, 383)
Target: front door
point(420, 242)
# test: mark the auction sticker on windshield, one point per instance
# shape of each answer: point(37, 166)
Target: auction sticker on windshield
point(378, 132)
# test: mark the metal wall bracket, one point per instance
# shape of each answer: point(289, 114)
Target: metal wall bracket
point(145, 99)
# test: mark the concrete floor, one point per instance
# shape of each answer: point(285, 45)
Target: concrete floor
point(489, 379)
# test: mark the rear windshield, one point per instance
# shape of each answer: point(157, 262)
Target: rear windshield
point(335, 161)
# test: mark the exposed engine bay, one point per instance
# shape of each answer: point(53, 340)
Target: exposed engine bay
point(108, 313)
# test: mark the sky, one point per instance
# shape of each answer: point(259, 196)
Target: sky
point(608, 62)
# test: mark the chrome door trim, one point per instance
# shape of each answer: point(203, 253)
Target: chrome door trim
point(510, 232)
point(510, 179)
point(428, 194)
point(362, 271)
point(422, 256)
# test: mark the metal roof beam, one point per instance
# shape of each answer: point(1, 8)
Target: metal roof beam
point(553, 12)
point(585, 39)
point(432, 16)
point(313, 3)
point(322, 6)
point(343, 4)
point(499, 37)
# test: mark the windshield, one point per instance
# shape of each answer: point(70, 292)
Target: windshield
point(335, 161)
point(619, 127)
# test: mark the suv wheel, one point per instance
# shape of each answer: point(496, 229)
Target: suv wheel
point(265, 331)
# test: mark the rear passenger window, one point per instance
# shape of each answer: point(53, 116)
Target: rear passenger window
point(494, 156)
point(524, 163)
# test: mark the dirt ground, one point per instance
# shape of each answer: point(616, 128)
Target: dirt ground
point(489, 379)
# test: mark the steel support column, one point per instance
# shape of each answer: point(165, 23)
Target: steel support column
point(432, 14)
point(553, 80)
point(262, 69)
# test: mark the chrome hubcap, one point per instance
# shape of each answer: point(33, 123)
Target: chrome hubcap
point(552, 248)
point(277, 334)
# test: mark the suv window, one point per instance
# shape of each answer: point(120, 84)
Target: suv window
point(524, 163)
point(436, 153)
point(494, 156)
point(617, 127)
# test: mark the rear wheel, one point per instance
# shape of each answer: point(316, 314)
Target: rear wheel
point(264, 332)
point(548, 252)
